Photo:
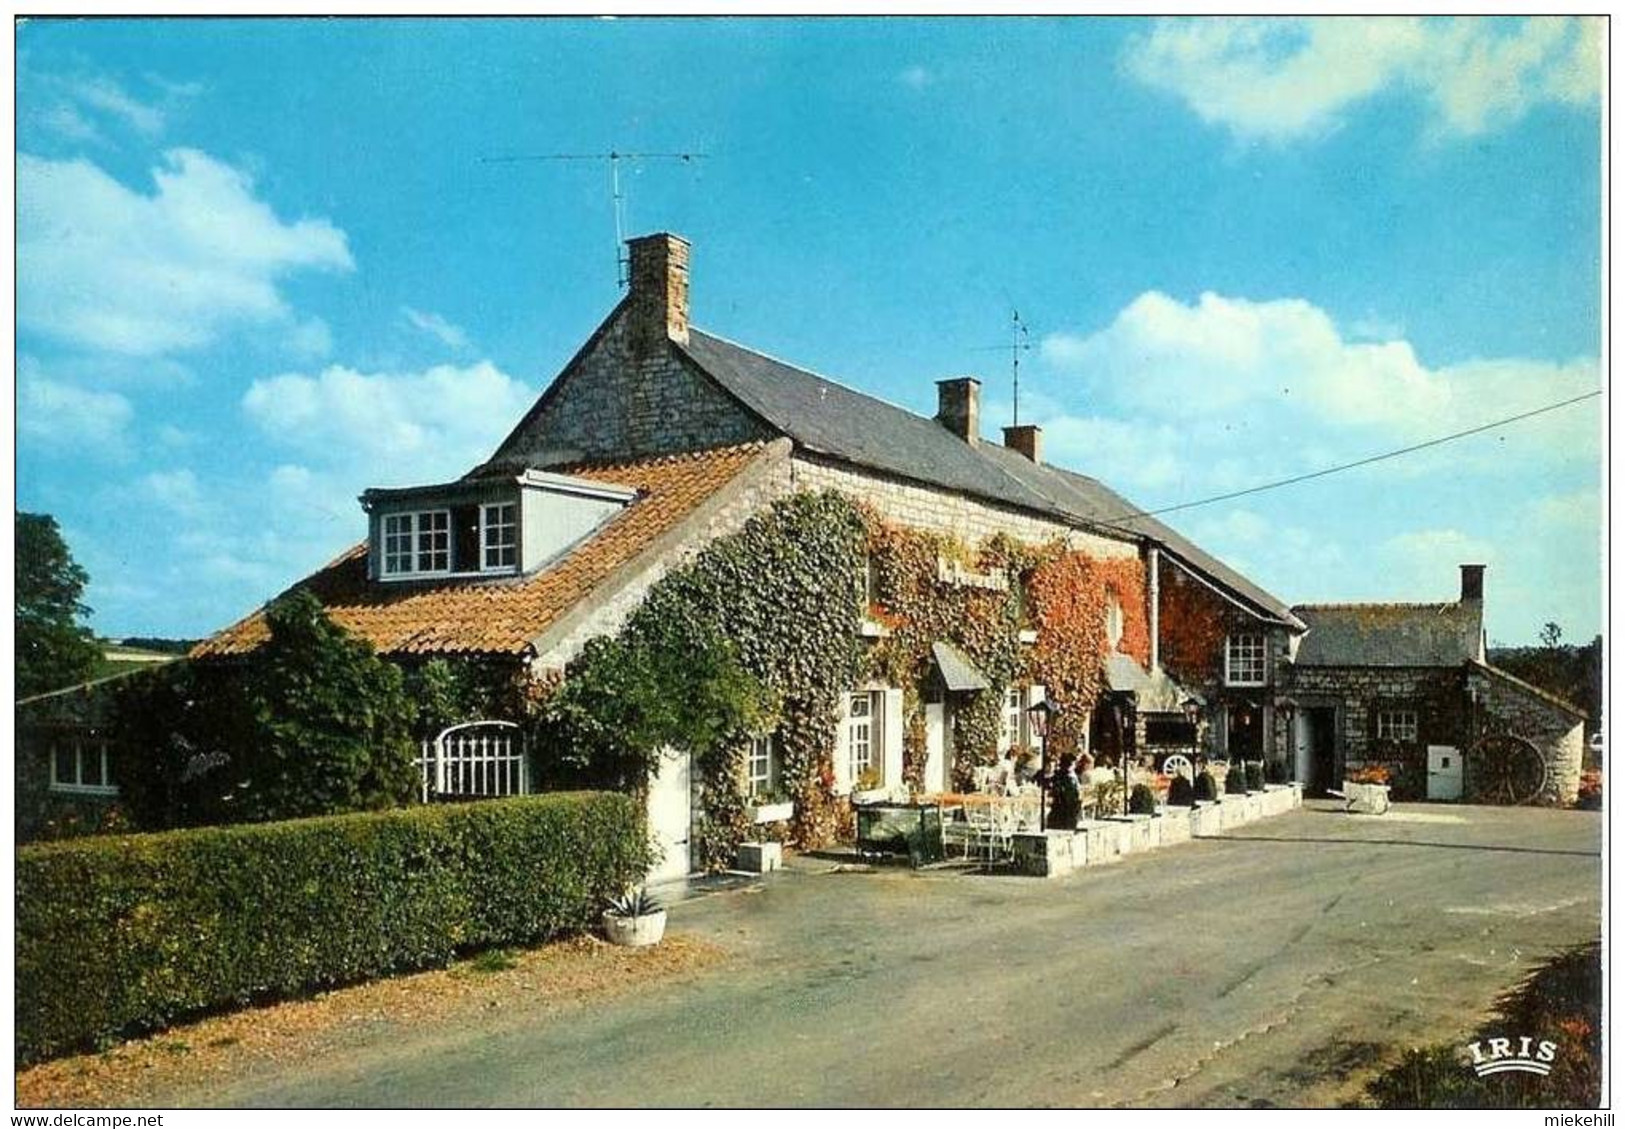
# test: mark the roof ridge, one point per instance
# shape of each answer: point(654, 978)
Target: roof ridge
point(1353, 605)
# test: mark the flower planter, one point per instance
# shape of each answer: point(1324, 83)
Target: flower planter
point(1367, 799)
point(771, 813)
point(635, 932)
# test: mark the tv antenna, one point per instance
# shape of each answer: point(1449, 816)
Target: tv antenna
point(617, 198)
point(1019, 344)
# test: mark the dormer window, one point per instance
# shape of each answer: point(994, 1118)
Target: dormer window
point(484, 526)
point(417, 544)
point(499, 533)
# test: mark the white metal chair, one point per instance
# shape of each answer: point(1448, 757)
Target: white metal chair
point(1178, 764)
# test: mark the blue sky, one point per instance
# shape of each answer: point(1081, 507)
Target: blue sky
point(261, 266)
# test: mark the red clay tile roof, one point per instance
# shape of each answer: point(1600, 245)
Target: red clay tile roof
point(503, 615)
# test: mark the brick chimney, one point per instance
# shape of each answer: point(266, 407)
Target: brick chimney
point(1472, 583)
point(1027, 438)
point(959, 407)
point(659, 290)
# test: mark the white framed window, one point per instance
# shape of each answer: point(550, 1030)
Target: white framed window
point(762, 765)
point(417, 544)
point(499, 536)
point(80, 764)
point(1012, 719)
point(863, 743)
point(1396, 725)
point(1114, 620)
point(1244, 660)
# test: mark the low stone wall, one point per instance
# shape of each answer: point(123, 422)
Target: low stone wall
point(1097, 842)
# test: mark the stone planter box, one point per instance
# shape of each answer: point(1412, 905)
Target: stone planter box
point(1103, 841)
point(1174, 826)
point(1366, 799)
point(1049, 854)
point(1134, 833)
point(1255, 806)
point(771, 813)
point(1207, 818)
point(760, 858)
point(1234, 809)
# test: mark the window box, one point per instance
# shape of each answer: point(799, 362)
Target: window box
point(870, 795)
point(873, 629)
point(771, 812)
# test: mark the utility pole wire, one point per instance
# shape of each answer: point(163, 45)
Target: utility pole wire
point(1322, 473)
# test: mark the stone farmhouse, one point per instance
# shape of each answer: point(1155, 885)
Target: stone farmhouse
point(657, 439)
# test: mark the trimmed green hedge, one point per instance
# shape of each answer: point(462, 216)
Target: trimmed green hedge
point(119, 935)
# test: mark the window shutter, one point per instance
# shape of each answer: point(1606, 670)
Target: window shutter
point(891, 732)
point(843, 763)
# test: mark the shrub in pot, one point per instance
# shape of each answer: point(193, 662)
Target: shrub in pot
point(1235, 781)
point(1207, 788)
point(1142, 801)
point(1275, 772)
point(1255, 776)
point(635, 918)
point(1180, 793)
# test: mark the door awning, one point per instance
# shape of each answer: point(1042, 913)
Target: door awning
point(959, 674)
point(1154, 691)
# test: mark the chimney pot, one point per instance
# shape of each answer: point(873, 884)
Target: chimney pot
point(1472, 582)
point(658, 290)
point(1028, 439)
point(959, 407)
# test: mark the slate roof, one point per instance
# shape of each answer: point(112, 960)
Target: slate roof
point(830, 419)
point(503, 615)
point(1389, 634)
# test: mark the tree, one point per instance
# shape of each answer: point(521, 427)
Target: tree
point(312, 723)
point(1551, 636)
point(53, 648)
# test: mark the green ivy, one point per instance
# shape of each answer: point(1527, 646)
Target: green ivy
point(758, 632)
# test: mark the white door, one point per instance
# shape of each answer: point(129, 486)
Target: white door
point(1444, 772)
point(936, 748)
point(1300, 746)
point(669, 816)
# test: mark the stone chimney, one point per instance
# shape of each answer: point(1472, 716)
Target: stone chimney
point(659, 290)
point(1472, 583)
point(959, 407)
point(1027, 438)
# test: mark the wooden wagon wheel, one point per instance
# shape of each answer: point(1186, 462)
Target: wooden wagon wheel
point(1505, 769)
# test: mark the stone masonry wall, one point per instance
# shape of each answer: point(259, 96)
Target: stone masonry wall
point(943, 511)
point(1435, 694)
point(1558, 734)
point(619, 402)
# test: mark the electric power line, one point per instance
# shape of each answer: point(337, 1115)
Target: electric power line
point(1367, 461)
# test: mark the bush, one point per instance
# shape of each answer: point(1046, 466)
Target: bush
point(312, 723)
point(1180, 793)
point(1255, 776)
point(1207, 788)
point(1275, 772)
point(1235, 781)
point(1142, 801)
point(119, 935)
point(1590, 795)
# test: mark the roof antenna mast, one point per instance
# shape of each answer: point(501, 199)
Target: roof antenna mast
point(1019, 344)
point(617, 198)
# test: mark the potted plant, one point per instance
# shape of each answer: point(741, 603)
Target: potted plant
point(1235, 781)
point(635, 918)
point(770, 807)
point(1366, 789)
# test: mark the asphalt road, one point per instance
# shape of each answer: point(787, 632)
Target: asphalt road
point(1256, 968)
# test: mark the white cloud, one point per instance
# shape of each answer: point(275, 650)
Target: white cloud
point(175, 490)
point(401, 427)
point(917, 77)
point(106, 268)
point(1224, 358)
point(437, 327)
point(69, 419)
point(1281, 79)
point(310, 339)
point(103, 94)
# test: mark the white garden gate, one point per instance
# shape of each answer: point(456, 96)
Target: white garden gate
point(476, 759)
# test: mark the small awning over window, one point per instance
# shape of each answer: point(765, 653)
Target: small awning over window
point(959, 674)
point(1154, 692)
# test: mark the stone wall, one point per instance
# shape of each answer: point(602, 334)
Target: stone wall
point(1437, 695)
point(1513, 708)
point(944, 511)
point(618, 402)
